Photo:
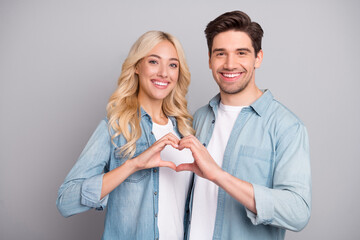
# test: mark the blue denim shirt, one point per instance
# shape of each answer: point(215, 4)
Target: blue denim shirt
point(132, 207)
point(268, 147)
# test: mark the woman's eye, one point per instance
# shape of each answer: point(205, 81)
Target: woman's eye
point(152, 61)
point(173, 65)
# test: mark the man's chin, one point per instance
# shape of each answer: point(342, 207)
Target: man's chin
point(231, 90)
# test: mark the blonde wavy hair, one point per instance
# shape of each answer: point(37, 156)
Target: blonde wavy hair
point(123, 108)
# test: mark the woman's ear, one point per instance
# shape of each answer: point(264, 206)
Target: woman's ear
point(136, 69)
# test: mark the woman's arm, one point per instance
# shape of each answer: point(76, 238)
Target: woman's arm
point(82, 186)
point(150, 158)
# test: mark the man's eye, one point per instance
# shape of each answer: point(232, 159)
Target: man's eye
point(220, 54)
point(173, 65)
point(241, 53)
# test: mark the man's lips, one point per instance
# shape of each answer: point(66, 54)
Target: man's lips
point(230, 76)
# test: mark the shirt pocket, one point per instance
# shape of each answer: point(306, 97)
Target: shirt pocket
point(137, 176)
point(255, 165)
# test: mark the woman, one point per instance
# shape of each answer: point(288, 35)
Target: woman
point(128, 164)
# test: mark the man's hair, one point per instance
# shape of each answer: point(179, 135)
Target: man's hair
point(238, 21)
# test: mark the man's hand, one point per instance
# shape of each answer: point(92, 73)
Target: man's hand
point(204, 165)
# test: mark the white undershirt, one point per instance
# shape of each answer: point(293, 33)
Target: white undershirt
point(206, 192)
point(173, 187)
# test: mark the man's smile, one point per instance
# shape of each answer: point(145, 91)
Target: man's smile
point(230, 76)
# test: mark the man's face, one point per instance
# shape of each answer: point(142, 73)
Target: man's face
point(233, 61)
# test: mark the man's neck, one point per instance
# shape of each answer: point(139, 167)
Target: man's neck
point(243, 98)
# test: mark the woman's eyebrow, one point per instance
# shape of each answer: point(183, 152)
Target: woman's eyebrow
point(157, 56)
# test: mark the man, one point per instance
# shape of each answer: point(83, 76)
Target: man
point(252, 157)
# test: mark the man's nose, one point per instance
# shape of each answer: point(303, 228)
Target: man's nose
point(230, 63)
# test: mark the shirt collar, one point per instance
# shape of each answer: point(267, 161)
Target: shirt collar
point(259, 106)
point(262, 103)
point(145, 114)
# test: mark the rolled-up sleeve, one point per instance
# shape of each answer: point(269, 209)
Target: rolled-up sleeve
point(288, 203)
point(81, 189)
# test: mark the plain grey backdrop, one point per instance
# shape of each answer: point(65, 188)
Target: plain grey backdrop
point(60, 60)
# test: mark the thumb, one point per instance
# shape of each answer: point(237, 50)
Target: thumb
point(185, 167)
point(167, 164)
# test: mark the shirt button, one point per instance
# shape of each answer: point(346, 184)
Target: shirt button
point(155, 170)
point(213, 121)
point(155, 192)
point(155, 214)
point(204, 144)
point(152, 133)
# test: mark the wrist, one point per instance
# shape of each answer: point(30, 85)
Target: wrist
point(217, 175)
point(132, 165)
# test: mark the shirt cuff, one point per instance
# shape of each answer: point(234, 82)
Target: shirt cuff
point(264, 206)
point(91, 192)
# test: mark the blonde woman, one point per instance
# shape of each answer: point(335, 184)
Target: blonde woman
point(128, 164)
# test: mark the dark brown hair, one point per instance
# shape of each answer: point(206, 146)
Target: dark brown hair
point(238, 21)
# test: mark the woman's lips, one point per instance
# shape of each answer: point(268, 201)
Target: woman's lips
point(160, 84)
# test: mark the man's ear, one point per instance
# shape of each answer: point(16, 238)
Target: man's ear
point(259, 58)
point(209, 60)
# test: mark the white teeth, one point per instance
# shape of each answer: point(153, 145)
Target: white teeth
point(231, 75)
point(161, 83)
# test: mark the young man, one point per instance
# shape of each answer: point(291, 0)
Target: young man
point(252, 157)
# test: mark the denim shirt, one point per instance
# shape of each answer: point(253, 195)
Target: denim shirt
point(269, 148)
point(132, 207)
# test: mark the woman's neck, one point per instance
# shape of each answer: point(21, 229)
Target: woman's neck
point(154, 109)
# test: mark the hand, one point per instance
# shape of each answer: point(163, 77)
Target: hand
point(204, 165)
point(150, 158)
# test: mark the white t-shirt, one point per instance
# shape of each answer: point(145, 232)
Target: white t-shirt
point(173, 187)
point(206, 192)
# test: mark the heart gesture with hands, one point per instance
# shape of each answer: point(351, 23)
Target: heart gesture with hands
point(150, 158)
point(204, 165)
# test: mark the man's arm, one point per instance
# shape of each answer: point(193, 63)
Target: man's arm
point(287, 203)
point(206, 167)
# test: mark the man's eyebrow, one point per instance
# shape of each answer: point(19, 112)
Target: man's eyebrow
point(244, 50)
point(238, 49)
point(218, 50)
point(157, 56)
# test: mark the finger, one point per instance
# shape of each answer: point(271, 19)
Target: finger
point(173, 139)
point(171, 136)
point(190, 145)
point(190, 140)
point(186, 167)
point(167, 164)
point(190, 137)
point(165, 142)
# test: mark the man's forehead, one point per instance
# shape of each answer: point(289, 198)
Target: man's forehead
point(232, 40)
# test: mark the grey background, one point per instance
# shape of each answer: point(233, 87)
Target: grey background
point(60, 60)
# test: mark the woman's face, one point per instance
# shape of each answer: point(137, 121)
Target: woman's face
point(158, 72)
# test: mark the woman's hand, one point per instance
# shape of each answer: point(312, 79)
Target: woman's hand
point(151, 157)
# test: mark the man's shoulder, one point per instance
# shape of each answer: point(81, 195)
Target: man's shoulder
point(202, 111)
point(283, 114)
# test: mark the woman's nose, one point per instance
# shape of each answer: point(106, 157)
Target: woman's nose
point(162, 71)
